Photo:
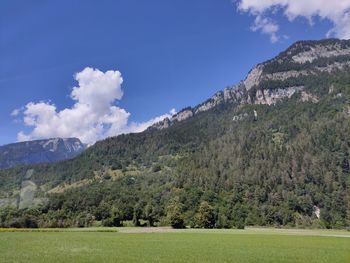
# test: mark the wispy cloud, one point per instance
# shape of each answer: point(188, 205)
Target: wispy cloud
point(266, 26)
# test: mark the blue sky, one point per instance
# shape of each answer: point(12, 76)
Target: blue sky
point(171, 54)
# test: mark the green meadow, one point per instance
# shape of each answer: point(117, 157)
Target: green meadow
point(166, 245)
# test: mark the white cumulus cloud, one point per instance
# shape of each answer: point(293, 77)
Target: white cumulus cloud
point(93, 116)
point(337, 12)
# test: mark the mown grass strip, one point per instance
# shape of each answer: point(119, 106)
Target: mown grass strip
point(102, 229)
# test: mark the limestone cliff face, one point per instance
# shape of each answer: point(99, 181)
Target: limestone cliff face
point(321, 50)
point(268, 82)
point(272, 96)
point(254, 77)
point(182, 115)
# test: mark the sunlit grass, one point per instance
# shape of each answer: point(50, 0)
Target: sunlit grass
point(129, 245)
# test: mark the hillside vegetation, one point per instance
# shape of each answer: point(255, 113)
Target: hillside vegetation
point(267, 158)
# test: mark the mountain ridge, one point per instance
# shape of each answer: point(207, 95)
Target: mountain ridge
point(241, 92)
point(39, 151)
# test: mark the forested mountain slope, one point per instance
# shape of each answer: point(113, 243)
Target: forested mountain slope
point(272, 150)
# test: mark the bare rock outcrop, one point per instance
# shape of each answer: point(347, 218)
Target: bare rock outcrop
point(270, 97)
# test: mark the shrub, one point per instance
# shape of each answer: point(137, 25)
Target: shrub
point(156, 168)
point(205, 216)
point(175, 216)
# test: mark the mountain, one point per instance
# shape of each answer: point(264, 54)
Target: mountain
point(39, 151)
point(281, 77)
point(273, 150)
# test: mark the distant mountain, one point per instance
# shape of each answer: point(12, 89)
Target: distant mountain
point(272, 150)
point(39, 151)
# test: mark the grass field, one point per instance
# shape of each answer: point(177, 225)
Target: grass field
point(166, 245)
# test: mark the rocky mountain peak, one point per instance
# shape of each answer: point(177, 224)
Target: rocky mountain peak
point(278, 78)
point(39, 151)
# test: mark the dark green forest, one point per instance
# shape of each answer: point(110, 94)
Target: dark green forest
point(210, 171)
